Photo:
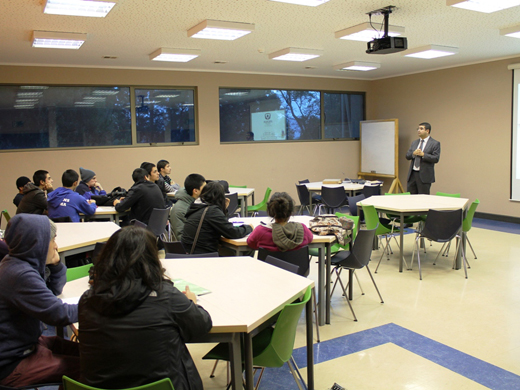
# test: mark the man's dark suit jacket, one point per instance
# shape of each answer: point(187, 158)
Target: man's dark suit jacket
point(432, 153)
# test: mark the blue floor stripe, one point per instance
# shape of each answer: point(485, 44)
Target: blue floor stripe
point(463, 364)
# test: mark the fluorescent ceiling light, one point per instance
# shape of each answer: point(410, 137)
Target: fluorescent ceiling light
point(216, 29)
point(295, 54)
point(174, 55)
point(311, 3)
point(366, 32)
point(486, 6)
point(95, 98)
point(58, 40)
point(358, 65)
point(29, 94)
point(23, 106)
point(98, 8)
point(511, 31)
point(33, 87)
point(165, 96)
point(431, 51)
point(26, 101)
point(105, 92)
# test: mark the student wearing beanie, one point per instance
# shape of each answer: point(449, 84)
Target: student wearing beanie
point(89, 184)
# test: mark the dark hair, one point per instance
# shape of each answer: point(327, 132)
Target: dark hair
point(280, 206)
point(193, 181)
point(148, 166)
point(128, 261)
point(161, 164)
point(427, 126)
point(22, 181)
point(139, 174)
point(69, 177)
point(39, 176)
point(213, 194)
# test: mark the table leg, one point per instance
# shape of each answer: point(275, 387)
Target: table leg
point(401, 241)
point(310, 340)
point(323, 300)
point(248, 351)
point(236, 361)
point(350, 284)
point(327, 281)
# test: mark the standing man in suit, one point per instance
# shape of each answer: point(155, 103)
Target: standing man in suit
point(424, 153)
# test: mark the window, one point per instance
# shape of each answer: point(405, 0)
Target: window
point(281, 115)
point(52, 117)
point(165, 115)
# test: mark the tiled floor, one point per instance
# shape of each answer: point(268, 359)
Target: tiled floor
point(444, 332)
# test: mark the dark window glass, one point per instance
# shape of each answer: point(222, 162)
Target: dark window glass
point(53, 117)
point(280, 115)
point(343, 112)
point(165, 115)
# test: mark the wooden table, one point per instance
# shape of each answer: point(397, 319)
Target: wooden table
point(406, 205)
point(75, 238)
point(322, 243)
point(244, 294)
point(103, 212)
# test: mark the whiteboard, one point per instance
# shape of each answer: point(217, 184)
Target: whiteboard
point(379, 147)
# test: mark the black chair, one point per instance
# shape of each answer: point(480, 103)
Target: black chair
point(233, 204)
point(61, 219)
point(315, 197)
point(352, 205)
point(368, 191)
point(304, 197)
point(187, 255)
point(298, 258)
point(333, 198)
point(158, 222)
point(173, 247)
point(292, 268)
point(358, 258)
point(440, 226)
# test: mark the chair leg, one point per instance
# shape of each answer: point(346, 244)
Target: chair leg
point(259, 378)
point(316, 314)
point(359, 284)
point(471, 247)
point(375, 285)
point(346, 297)
point(296, 374)
point(441, 251)
point(418, 259)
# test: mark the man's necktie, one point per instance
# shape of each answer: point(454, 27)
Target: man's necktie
point(417, 160)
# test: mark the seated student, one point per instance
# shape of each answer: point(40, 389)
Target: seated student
point(280, 235)
point(30, 278)
point(214, 223)
point(65, 202)
point(142, 197)
point(90, 188)
point(20, 183)
point(153, 173)
point(34, 199)
point(165, 169)
point(193, 185)
point(134, 321)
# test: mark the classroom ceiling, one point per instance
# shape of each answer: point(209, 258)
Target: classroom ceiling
point(136, 28)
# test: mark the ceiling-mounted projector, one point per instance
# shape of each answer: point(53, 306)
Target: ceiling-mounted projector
point(386, 44)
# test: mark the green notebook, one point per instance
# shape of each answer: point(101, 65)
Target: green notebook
point(197, 290)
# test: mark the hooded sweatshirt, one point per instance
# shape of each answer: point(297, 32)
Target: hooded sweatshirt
point(34, 200)
point(25, 297)
point(178, 212)
point(275, 237)
point(64, 202)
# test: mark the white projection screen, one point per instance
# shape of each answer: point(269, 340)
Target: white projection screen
point(269, 125)
point(515, 131)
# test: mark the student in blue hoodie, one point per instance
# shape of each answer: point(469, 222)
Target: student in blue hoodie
point(64, 202)
point(30, 278)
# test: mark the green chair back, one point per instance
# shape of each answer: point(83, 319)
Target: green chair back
point(163, 384)
point(468, 221)
point(372, 221)
point(262, 206)
point(237, 186)
point(78, 272)
point(6, 215)
point(280, 348)
point(446, 194)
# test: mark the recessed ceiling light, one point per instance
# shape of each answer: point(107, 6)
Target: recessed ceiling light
point(366, 32)
point(431, 51)
point(311, 3)
point(295, 54)
point(217, 29)
point(486, 6)
point(58, 40)
point(98, 8)
point(511, 31)
point(174, 55)
point(358, 65)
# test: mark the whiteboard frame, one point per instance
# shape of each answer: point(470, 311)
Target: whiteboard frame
point(396, 150)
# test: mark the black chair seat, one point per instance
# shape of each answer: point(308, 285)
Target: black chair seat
point(339, 257)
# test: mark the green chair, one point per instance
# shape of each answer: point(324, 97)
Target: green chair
point(163, 384)
point(272, 347)
point(262, 206)
point(387, 231)
point(466, 227)
point(237, 186)
point(78, 272)
point(438, 193)
point(6, 216)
